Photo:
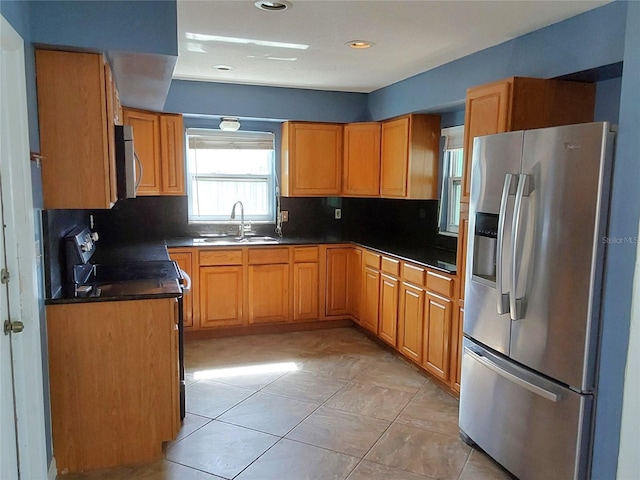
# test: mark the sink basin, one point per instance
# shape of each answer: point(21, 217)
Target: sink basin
point(232, 240)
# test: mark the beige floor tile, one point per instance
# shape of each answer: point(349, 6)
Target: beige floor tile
point(269, 413)
point(253, 382)
point(431, 454)
point(166, 470)
point(289, 460)
point(482, 467)
point(375, 471)
point(432, 409)
point(305, 386)
point(339, 431)
point(341, 366)
point(371, 400)
point(394, 374)
point(118, 473)
point(210, 399)
point(221, 449)
point(190, 424)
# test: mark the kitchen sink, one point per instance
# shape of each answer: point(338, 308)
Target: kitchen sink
point(233, 240)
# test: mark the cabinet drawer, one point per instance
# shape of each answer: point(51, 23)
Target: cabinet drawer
point(268, 255)
point(372, 260)
point(440, 284)
point(306, 254)
point(413, 274)
point(391, 266)
point(220, 257)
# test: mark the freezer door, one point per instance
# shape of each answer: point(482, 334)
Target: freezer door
point(536, 429)
point(559, 251)
point(495, 167)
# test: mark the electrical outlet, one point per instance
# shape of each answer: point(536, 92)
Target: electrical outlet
point(284, 216)
point(338, 213)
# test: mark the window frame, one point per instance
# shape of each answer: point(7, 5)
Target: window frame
point(192, 177)
point(449, 210)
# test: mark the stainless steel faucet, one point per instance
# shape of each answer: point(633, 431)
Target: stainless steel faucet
point(233, 217)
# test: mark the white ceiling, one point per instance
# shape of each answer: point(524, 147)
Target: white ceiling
point(410, 37)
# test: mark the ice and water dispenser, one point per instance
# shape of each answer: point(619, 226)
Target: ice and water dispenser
point(484, 246)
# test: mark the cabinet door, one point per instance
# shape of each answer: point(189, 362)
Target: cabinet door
point(410, 321)
point(184, 261)
point(361, 162)
point(354, 282)
point(395, 158)
point(74, 130)
point(112, 120)
point(486, 112)
point(312, 159)
point(388, 323)
point(437, 328)
point(220, 294)
point(463, 235)
point(370, 299)
point(337, 274)
point(172, 154)
point(146, 141)
point(268, 293)
point(305, 291)
point(456, 348)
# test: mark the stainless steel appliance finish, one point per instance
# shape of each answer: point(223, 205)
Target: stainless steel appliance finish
point(542, 197)
point(128, 179)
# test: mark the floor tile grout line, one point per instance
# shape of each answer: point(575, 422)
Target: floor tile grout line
point(175, 442)
point(213, 475)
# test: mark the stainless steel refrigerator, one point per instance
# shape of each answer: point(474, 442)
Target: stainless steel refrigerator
point(537, 225)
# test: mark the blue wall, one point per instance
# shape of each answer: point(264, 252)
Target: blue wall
point(149, 26)
point(621, 259)
point(225, 99)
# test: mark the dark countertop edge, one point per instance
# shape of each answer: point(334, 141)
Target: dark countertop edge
point(402, 253)
point(119, 298)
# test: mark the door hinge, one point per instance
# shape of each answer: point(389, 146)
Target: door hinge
point(13, 327)
point(4, 276)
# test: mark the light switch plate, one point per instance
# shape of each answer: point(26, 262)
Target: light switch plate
point(338, 213)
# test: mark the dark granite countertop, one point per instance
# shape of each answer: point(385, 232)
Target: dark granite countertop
point(427, 256)
point(136, 271)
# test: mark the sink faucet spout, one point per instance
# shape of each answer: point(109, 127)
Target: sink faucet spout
point(233, 217)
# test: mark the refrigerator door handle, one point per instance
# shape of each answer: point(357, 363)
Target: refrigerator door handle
point(544, 393)
point(507, 189)
point(517, 305)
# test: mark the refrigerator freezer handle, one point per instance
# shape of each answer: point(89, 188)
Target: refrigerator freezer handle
point(517, 305)
point(554, 397)
point(507, 189)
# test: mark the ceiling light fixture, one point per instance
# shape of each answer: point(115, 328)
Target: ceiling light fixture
point(224, 68)
point(229, 124)
point(273, 6)
point(202, 37)
point(359, 44)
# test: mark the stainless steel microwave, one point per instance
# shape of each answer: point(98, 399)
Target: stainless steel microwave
point(128, 167)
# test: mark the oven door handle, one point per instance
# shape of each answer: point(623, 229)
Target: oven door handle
point(185, 287)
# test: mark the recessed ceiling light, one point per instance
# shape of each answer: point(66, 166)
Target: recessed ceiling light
point(224, 68)
point(359, 44)
point(272, 6)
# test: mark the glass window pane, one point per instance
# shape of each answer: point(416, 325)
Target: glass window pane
point(216, 197)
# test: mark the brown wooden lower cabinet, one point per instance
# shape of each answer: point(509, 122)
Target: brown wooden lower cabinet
point(113, 374)
point(268, 293)
point(305, 291)
point(456, 347)
point(410, 321)
point(437, 330)
point(388, 320)
point(370, 299)
point(221, 296)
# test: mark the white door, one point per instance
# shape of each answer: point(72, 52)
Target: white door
point(21, 397)
point(8, 445)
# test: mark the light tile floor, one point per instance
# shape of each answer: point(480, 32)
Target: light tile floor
point(353, 410)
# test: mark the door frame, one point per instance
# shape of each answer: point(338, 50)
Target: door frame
point(22, 260)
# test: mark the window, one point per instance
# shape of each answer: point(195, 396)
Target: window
point(451, 190)
point(224, 167)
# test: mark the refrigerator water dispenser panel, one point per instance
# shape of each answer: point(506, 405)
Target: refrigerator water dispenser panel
point(484, 246)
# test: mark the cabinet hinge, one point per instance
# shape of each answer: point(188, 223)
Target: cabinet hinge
point(4, 276)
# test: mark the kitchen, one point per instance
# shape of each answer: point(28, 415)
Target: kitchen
point(375, 105)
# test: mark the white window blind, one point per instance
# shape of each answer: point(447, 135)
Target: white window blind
point(224, 167)
point(451, 191)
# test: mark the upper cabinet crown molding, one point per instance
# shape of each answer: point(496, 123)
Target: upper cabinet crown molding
point(410, 157)
point(158, 140)
point(77, 111)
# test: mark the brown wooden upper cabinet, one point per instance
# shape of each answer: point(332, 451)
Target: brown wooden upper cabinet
point(520, 103)
point(159, 143)
point(76, 114)
point(361, 160)
point(311, 159)
point(410, 157)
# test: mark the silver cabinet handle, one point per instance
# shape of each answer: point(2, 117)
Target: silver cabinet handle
point(502, 298)
point(139, 163)
point(542, 392)
point(517, 305)
point(186, 276)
